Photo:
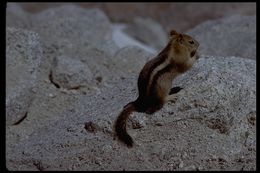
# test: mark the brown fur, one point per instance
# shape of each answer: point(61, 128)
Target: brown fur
point(155, 79)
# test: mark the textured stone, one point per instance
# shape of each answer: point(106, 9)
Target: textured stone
point(213, 120)
point(71, 73)
point(217, 91)
point(230, 36)
point(23, 58)
point(72, 27)
point(131, 59)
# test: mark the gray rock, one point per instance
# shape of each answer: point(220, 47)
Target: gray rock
point(17, 17)
point(71, 38)
point(219, 93)
point(148, 31)
point(131, 59)
point(230, 36)
point(122, 39)
point(71, 73)
point(70, 27)
point(72, 35)
point(106, 69)
point(208, 122)
point(213, 119)
point(99, 62)
point(23, 58)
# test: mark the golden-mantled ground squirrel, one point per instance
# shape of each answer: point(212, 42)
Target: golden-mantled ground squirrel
point(155, 80)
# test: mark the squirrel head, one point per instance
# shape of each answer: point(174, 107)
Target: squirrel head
point(183, 48)
point(184, 42)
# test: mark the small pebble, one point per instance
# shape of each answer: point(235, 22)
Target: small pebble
point(52, 95)
point(47, 81)
point(181, 164)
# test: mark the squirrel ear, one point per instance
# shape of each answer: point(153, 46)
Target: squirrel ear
point(173, 32)
point(180, 38)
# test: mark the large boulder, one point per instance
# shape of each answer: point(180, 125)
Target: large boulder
point(229, 36)
point(70, 27)
point(131, 59)
point(211, 126)
point(70, 73)
point(23, 59)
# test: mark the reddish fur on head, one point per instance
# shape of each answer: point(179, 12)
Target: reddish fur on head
point(176, 35)
point(173, 33)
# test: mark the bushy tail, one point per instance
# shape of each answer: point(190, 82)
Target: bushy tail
point(120, 125)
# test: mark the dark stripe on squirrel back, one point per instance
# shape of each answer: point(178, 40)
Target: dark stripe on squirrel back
point(166, 69)
point(146, 72)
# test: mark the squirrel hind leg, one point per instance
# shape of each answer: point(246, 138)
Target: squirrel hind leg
point(154, 108)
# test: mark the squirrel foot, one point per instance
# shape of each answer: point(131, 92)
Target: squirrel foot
point(171, 98)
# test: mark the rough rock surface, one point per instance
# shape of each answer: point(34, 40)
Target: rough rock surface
point(23, 59)
point(199, 126)
point(70, 73)
point(211, 126)
point(72, 36)
point(230, 36)
point(71, 29)
point(128, 57)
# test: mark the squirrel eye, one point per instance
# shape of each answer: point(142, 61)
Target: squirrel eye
point(191, 42)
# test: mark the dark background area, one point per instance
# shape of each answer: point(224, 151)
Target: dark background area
point(181, 16)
